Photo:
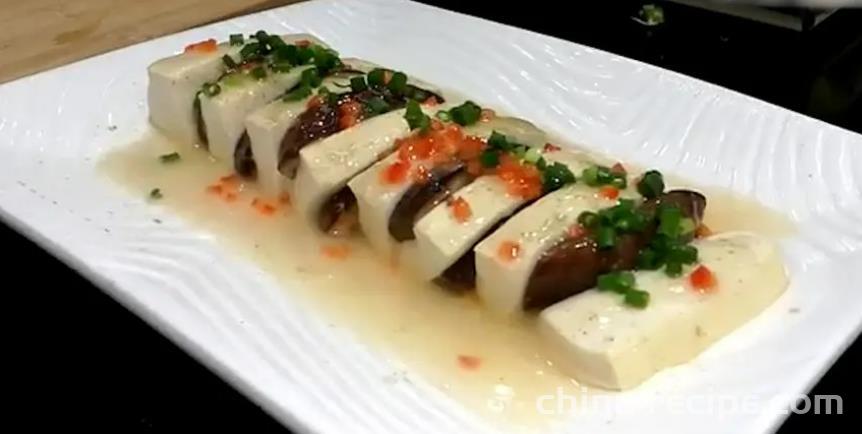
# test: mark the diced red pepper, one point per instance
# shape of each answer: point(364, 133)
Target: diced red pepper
point(395, 173)
point(703, 280)
point(335, 251)
point(460, 209)
point(469, 363)
point(207, 46)
point(509, 250)
point(314, 102)
point(702, 231)
point(349, 114)
point(609, 192)
point(576, 231)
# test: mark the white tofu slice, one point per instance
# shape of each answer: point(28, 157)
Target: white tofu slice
point(441, 239)
point(224, 114)
point(598, 340)
point(175, 81)
point(328, 164)
point(377, 200)
point(267, 126)
point(501, 283)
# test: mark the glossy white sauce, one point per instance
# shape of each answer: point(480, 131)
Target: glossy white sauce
point(416, 323)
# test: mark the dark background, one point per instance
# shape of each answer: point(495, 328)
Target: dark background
point(79, 360)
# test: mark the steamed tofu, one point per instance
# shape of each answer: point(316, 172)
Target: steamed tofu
point(327, 165)
point(598, 340)
point(267, 126)
point(173, 84)
point(377, 200)
point(440, 238)
point(502, 282)
point(224, 114)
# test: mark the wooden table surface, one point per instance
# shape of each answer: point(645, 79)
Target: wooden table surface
point(42, 34)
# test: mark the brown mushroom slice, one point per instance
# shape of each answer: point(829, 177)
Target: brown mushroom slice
point(425, 194)
point(501, 280)
point(338, 216)
point(268, 125)
point(243, 160)
point(573, 265)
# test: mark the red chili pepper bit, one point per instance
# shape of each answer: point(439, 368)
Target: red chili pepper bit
point(703, 280)
point(469, 363)
point(550, 147)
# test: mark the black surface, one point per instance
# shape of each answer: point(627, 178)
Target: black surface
point(79, 360)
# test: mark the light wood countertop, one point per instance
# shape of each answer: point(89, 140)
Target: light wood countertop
point(41, 34)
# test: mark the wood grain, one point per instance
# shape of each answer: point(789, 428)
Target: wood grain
point(41, 34)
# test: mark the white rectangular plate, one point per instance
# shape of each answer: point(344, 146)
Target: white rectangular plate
point(54, 127)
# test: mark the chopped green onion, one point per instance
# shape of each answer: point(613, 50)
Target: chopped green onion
point(156, 193)
point(275, 42)
point(258, 72)
point(310, 77)
point(287, 53)
point(619, 181)
point(489, 158)
point(229, 62)
point(358, 84)
point(398, 83)
point(596, 176)
point(588, 219)
point(413, 92)
point(377, 105)
point(415, 117)
point(636, 298)
point(686, 226)
point(651, 15)
point(519, 151)
point(377, 78)
point(249, 50)
point(630, 222)
point(300, 92)
point(556, 175)
point(616, 281)
point(541, 164)
point(304, 55)
point(498, 141)
point(236, 39)
point(466, 114)
point(443, 115)
point(651, 184)
point(211, 89)
point(648, 259)
point(532, 156)
point(170, 158)
point(590, 176)
point(669, 217)
point(329, 96)
point(281, 66)
point(682, 253)
point(606, 237)
point(673, 269)
point(325, 59)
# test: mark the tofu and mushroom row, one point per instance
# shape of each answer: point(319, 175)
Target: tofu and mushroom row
point(469, 199)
